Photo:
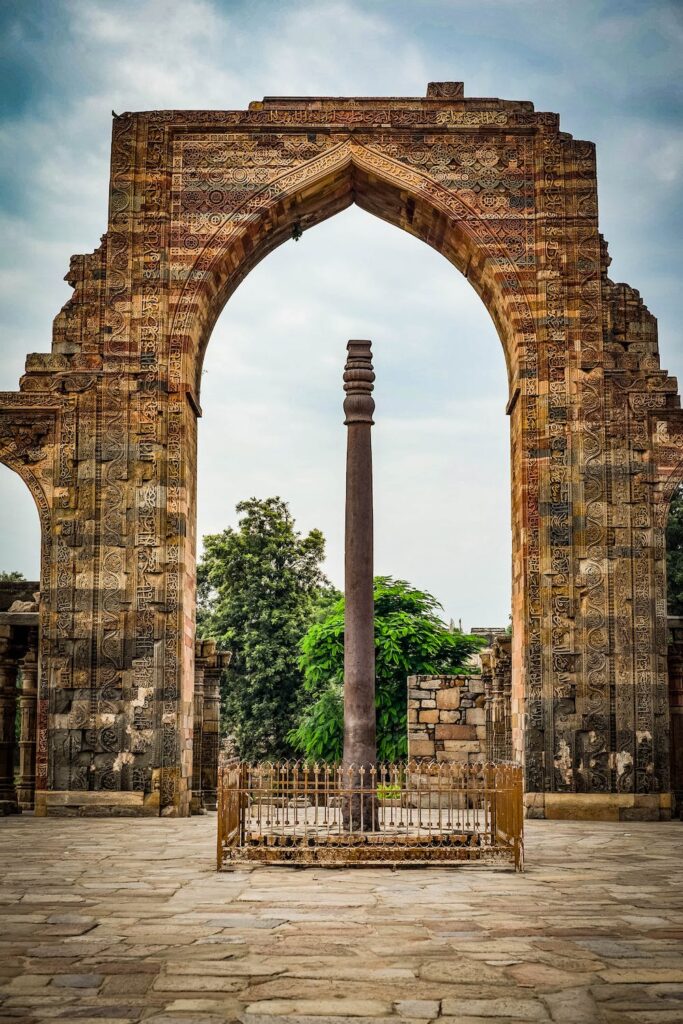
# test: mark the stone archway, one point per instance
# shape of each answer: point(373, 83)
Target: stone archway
point(196, 200)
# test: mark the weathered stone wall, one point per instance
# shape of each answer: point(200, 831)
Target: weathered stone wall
point(103, 428)
point(446, 718)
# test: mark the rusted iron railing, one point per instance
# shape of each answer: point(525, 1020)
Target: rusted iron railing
point(293, 812)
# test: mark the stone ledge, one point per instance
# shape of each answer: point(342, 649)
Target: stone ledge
point(598, 806)
point(81, 803)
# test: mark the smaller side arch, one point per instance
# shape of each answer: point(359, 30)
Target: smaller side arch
point(27, 438)
point(26, 447)
point(32, 479)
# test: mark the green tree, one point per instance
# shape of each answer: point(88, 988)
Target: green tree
point(259, 587)
point(410, 639)
point(674, 555)
point(11, 577)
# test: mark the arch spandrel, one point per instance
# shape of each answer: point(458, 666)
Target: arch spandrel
point(488, 235)
point(197, 198)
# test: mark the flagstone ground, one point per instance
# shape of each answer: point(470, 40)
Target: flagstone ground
point(126, 921)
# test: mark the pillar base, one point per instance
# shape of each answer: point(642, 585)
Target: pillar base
point(25, 796)
point(197, 805)
point(598, 806)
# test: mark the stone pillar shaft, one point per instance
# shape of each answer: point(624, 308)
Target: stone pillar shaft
point(359, 636)
point(209, 665)
point(211, 733)
point(196, 804)
point(8, 709)
point(28, 699)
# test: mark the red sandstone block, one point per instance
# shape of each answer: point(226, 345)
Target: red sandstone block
point(421, 748)
point(455, 732)
point(449, 699)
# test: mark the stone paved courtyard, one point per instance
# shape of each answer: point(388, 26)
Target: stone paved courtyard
point(126, 920)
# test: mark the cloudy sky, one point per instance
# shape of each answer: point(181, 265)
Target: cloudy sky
point(271, 390)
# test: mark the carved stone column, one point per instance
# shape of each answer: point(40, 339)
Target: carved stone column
point(497, 678)
point(9, 803)
point(487, 679)
point(216, 663)
point(360, 745)
point(196, 805)
point(28, 697)
point(502, 692)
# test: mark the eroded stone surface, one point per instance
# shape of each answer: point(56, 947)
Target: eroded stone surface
point(103, 431)
point(592, 933)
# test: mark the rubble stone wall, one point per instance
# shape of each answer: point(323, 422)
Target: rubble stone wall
point(446, 718)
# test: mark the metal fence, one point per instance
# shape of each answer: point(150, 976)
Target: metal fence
point(416, 812)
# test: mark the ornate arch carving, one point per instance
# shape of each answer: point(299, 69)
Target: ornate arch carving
point(480, 249)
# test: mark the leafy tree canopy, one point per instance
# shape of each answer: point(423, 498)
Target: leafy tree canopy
point(260, 586)
point(410, 639)
point(674, 554)
point(11, 577)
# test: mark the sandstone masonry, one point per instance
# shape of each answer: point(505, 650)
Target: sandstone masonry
point(447, 718)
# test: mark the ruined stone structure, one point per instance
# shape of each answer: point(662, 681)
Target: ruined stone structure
point(447, 718)
point(497, 677)
point(208, 668)
point(465, 718)
point(103, 428)
point(19, 650)
point(18, 693)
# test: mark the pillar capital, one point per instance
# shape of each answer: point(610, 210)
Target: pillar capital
point(359, 379)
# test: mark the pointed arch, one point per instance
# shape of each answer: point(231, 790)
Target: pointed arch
point(12, 457)
point(16, 463)
point(351, 172)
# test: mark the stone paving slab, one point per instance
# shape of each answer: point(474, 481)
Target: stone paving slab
point(126, 920)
